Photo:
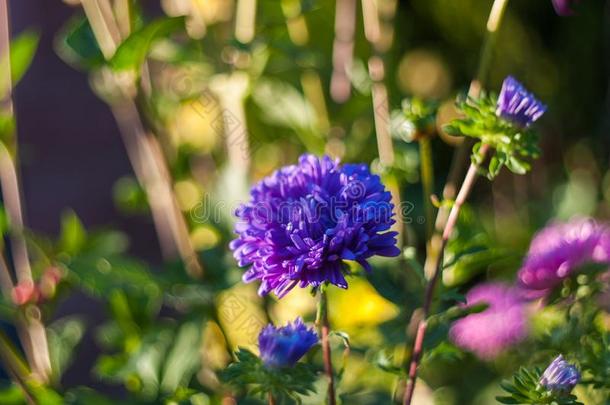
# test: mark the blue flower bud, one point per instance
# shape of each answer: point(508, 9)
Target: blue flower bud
point(560, 376)
point(517, 105)
point(284, 346)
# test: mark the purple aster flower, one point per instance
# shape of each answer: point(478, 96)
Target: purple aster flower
point(560, 376)
point(517, 105)
point(564, 7)
point(559, 249)
point(284, 346)
point(304, 220)
point(501, 325)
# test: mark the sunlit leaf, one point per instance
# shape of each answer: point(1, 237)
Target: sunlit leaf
point(73, 234)
point(132, 52)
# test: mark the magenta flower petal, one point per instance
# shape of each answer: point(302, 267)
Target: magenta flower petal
point(500, 326)
point(564, 7)
point(559, 249)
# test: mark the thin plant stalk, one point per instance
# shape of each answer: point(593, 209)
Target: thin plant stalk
point(380, 41)
point(245, 20)
point(16, 367)
point(146, 159)
point(150, 169)
point(270, 399)
point(343, 49)
point(427, 179)
point(324, 327)
point(310, 79)
point(494, 21)
point(32, 330)
point(416, 353)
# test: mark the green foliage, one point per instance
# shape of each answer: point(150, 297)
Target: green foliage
point(77, 46)
point(513, 145)
point(416, 119)
point(7, 126)
point(64, 336)
point(72, 235)
point(151, 360)
point(129, 196)
point(14, 395)
point(526, 389)
point(472, 251)
point(249, 374)
point(22, 50)
point(132, 52)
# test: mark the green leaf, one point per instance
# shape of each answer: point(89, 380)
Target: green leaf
point(76, 45)
point(64, 335)
point(99, 276)
point(183, 360)
point(385, 361)
point(87, 396)
point(23, 49)
point(73, 234)
point(517, 166)
point(132, 52)
point(4, 221)
point(7, 127)
point(507, 400)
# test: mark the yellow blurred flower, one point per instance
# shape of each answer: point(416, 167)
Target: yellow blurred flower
point(188, 194)
point(298, 303)
point(241, 316)
point(195, 124)
point(204, 237)
point(359, 306)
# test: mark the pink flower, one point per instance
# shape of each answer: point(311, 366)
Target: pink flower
point(559, 249)
point(500, 326)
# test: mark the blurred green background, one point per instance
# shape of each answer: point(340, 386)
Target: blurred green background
point(276, 84)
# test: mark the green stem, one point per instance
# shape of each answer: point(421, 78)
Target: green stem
point(324, 327)
point(494, 21)
point(15, 366)
point(427, 178)
point(443, 226)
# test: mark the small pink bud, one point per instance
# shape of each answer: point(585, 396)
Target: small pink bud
point(25, 292)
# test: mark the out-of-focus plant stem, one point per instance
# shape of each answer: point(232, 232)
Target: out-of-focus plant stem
point(343, 48)
point(427, 179)
point(245, 19)
point(460, 157)
point(324, 328)
point(143, 150)
point(15, 367)
point(270, 399)
point(380, 41)
point(149, 164)
point(416, 353)
point(32, 331)
point(446, 220)
point(310, 79)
